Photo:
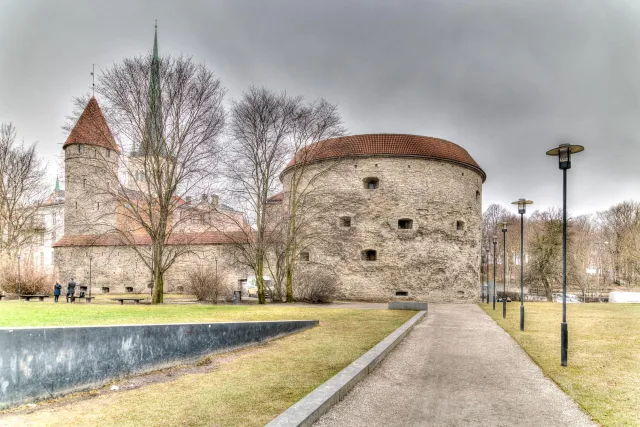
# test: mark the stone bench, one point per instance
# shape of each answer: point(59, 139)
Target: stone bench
point(122, 300)
point(28, 297)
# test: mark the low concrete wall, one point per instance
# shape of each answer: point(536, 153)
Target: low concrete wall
point(38, 363)
point(408, 305)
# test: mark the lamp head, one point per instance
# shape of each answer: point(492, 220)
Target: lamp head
point(504, 227)
point(495, 240)
point(522, 205)
point(564, 151)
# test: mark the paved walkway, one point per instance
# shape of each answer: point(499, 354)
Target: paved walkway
point(456, 368)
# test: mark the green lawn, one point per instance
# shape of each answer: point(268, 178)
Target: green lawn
point(603, 372)
point(252, 388)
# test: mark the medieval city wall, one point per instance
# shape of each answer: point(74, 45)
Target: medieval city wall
point(437, 260)
point(119, 267)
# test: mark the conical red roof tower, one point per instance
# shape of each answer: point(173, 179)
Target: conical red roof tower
point(92, 129)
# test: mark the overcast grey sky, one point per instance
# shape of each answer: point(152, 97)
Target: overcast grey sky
point(504, 79)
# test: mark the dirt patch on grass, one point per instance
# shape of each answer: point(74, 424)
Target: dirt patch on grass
point(204, 365)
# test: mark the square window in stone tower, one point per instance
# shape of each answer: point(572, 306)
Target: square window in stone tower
point(345, 221)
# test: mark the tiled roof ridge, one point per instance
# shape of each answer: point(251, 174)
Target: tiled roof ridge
point(387, 144)
point(92, 129)
point(116, 239)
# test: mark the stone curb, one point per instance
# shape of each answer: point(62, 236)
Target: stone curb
point(310, 408)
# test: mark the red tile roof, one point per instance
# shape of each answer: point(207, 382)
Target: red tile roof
point(92, 129)
point(394, 145)
point(276, 198)
point(206, 238)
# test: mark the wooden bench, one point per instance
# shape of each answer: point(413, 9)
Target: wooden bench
point(28, 297)
point(122, 300)
point(2, 296)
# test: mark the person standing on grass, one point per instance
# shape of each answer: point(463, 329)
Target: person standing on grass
point(71, 289)
point(56, 291)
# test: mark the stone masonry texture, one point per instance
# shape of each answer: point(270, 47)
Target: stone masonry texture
point(436, 260)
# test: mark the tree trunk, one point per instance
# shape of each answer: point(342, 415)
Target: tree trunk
point(158, 279)
point(290, 283)
point(260, 279)
point(547, 289)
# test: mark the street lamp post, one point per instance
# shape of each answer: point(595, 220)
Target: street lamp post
point(487, 250)
point(564, 151)
point(90, 259)
point(482, 276)
point(522, 209)
point(504, 273)
point(19, 293)
point(495, 246)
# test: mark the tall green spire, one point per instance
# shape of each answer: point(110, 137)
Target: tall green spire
point(57, 185)
point(152, 140)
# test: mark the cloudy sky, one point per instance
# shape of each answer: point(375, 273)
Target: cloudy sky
point(506, 80)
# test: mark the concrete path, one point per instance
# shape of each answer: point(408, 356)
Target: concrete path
point(456, 368)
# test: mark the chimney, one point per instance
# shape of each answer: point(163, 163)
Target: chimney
point(214, 199)
point(205, 199)
point(188, 200)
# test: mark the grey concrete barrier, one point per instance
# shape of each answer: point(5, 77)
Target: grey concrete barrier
point(38, 363)
point(310, 408)
point(408, 305)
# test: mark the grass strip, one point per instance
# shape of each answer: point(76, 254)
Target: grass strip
point(603, 372)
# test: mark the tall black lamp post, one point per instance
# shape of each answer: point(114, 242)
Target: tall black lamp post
point(522, 209)
point(495, 247)
point(487, 251)
point(482, 274)
point(19, 293)
point(564, 151)
point(504, 273)
point(90, 259)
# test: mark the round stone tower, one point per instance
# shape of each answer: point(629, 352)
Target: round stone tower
point(91, 175)
point(395, 216)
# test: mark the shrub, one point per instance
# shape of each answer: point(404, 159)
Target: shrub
point(315, 288)
point(208, 286)
point(32, 281)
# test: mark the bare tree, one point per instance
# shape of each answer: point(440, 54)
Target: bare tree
point(545, 249)
point(262, 122)
point(314, 124)
point(22, 192)
point(167, 115)
point(620, 226)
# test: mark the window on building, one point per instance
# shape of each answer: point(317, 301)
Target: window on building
point(405, 224)
point(84, 182)
point(108, 153)
point(105, 289)
point(53, 218)
point(459, 225)
point(180, 289)
point(477, 196)
point(76, 205)
point(369, 255)
point(304, 256)
point(80, 148)
point(98, 206)
point(54, 235)
point(402, 293)
point(345, 221)
point(41, 238)
point(371, 183)
point(202, 220)
point(41, 259)
point(129, 289)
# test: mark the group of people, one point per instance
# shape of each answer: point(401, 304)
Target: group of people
point(71, 290)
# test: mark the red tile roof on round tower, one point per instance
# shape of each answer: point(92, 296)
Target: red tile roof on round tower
point(92, 129)
point(391, 145)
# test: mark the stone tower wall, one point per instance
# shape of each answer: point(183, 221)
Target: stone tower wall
point(90, 181)
point(437, 260)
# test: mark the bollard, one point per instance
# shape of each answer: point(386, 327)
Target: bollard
point(237, 296)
